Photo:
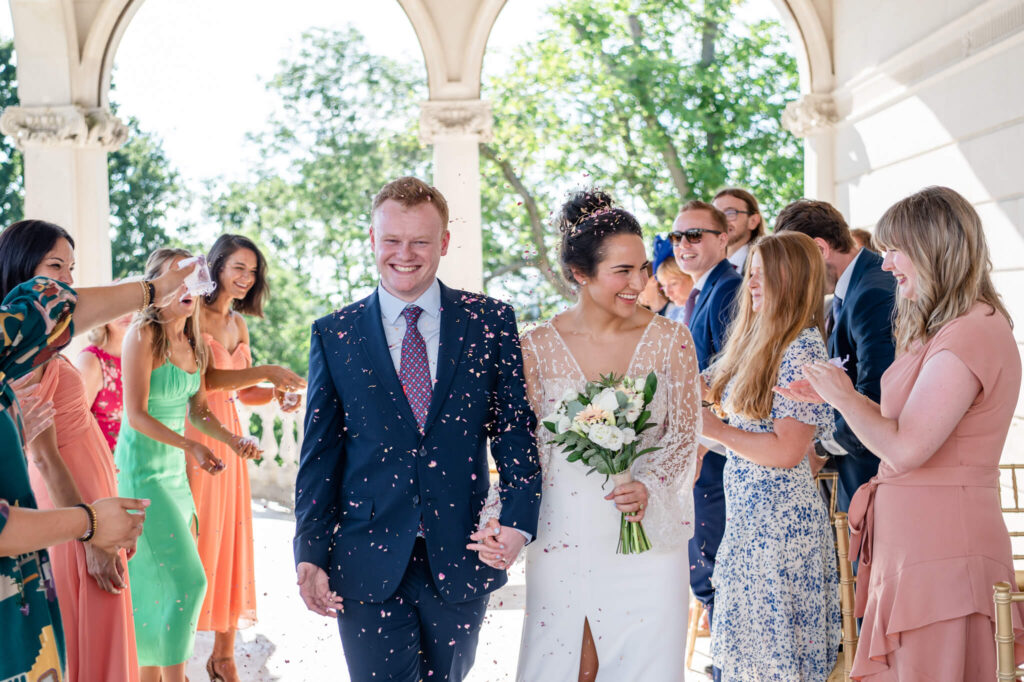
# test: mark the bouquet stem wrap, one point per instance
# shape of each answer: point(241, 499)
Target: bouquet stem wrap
point(632, 538)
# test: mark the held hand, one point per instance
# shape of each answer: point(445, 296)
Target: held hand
point(799, 390)
point(36, 415)
point(116, 525)
point(630, 498)
point(315, 590)
point(283, 378)
point(167, 285)
point(498, 546)
point(246, 448)
point(711, 423)
point(205, 459)
point(106, 568)
point(829, 381)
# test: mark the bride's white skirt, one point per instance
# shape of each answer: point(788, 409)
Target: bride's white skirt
point(637, 605)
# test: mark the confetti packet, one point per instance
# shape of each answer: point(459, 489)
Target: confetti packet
point(199, 282)
point(839, 362)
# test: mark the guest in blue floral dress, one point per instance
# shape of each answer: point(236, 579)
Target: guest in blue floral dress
point(776, 592)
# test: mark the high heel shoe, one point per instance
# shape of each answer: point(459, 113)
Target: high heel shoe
point(211, 668)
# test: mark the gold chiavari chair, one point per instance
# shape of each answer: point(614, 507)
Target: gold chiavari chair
point(847, 583)
point(1006, 666)
point(1013, 506)
point(832, 478)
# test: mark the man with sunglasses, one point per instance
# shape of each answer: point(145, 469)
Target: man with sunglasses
point(745, 223)
point(700, 239)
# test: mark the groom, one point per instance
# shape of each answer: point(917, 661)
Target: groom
point(407, 388)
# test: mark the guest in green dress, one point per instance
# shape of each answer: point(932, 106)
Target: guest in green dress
point(35, 323)
point(163, 362)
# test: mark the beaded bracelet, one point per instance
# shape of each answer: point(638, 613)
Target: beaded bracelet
point(148, 293)
point(92, 522)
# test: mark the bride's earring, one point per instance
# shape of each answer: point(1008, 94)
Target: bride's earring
point(583, 283)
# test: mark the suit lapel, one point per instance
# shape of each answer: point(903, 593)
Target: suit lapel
point(371, 333)
point(705, 293)
point(454, 322)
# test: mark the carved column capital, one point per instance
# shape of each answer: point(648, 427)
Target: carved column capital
point(64, 126)
point(809, 115)
point(439, 118)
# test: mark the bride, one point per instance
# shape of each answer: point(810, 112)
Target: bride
point(591, 613)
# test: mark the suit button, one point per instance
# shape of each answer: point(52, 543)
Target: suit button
point(416, 500)
point(423, 452)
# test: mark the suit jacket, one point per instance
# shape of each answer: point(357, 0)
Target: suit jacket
point(863, 331)
point(713, 311)
point(367, 475)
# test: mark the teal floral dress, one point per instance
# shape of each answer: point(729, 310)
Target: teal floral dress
point(35, 323)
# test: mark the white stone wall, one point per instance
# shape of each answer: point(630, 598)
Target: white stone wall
point(931, 93)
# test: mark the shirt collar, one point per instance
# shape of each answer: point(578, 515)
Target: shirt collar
point(704, 278)
point(391, 306)
point(739, 259)
point(843, 285)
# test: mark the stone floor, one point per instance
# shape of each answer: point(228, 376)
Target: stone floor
point(293, 645)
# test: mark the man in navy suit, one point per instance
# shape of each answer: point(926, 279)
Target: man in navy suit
point(407, 388)
point(858, 324)
point(700, 238)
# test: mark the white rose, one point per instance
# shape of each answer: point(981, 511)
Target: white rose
point(562, 424)
point(632, 414)
point(570, 395)
point(607, 401)
point(606, 436)
point(628, 436)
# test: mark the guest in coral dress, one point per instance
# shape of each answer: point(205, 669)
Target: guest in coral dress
point(223, 502)
point(928, 527)
point(71, 462)
point(100, 365)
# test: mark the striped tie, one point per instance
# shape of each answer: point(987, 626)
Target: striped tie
point(415, 368)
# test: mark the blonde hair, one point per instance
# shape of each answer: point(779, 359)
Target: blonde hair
point(150, 317)
point(97, 336)
point(669, 266)
point(793, 284)
point(941, 234)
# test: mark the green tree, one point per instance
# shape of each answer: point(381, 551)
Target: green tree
point(11, 176)
point(659, 101)
point(346, 125)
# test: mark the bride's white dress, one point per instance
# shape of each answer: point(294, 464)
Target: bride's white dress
point(636, 604)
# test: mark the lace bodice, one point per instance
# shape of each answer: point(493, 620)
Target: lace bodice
point(665, 348)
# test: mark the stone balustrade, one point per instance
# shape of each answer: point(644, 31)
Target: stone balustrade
point(273, 478)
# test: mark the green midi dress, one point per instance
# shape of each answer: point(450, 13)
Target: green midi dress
point(168, 582)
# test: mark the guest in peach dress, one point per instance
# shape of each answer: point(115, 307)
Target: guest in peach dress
point(223, 502)
point(928, 527)
point(71, 462)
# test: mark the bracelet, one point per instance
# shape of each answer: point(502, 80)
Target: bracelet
point(148, 293)
point(92, 522)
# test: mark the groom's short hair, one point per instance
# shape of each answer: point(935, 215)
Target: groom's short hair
point(409, 192)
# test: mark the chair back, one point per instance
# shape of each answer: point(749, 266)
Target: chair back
point(1006, 667)
point(847, 585)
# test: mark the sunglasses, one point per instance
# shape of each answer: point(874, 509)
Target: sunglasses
point(692, 236)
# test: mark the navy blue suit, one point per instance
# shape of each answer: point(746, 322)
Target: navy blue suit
point(863, 331)
point(368, 477)
point(712, 314)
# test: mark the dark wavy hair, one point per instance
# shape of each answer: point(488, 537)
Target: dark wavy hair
point(226, 245)
point(586, 220)
point(23, 245)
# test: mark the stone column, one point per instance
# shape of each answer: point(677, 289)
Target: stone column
point(65, 152)
point(456, 128)
point(813, 117)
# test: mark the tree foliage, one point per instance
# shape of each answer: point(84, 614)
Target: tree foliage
point(658, 101)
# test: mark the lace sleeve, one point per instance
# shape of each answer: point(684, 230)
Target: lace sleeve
point(531, 372)
point(668, 472)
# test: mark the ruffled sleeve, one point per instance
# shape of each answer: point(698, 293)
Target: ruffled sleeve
point(668, 472)
point(35, 324)
point(806, 348)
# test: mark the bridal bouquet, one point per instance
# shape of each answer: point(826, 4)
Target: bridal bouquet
point(601, 428)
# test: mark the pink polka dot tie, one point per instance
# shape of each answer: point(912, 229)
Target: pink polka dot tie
point(415, 370)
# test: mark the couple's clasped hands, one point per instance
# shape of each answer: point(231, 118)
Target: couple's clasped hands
point(497, 545)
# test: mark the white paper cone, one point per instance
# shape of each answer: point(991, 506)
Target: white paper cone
point(622, 477)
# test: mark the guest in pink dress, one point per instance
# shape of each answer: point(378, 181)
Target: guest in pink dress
point(100, 366)
point(928, 530)
point(223, 503)
point(71, 462)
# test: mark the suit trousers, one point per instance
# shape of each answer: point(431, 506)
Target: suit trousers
point(414, 635)
point(709, 526)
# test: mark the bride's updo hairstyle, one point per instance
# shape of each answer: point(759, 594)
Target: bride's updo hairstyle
point(585, 221)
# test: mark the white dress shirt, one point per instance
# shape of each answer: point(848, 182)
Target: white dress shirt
point(429, 323)
point(739, 259)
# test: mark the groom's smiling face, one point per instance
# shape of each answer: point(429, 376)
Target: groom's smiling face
point(408, 242)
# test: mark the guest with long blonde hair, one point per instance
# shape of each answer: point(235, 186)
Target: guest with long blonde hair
point(776, 612)
point(164, 360)
point(928, 529)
